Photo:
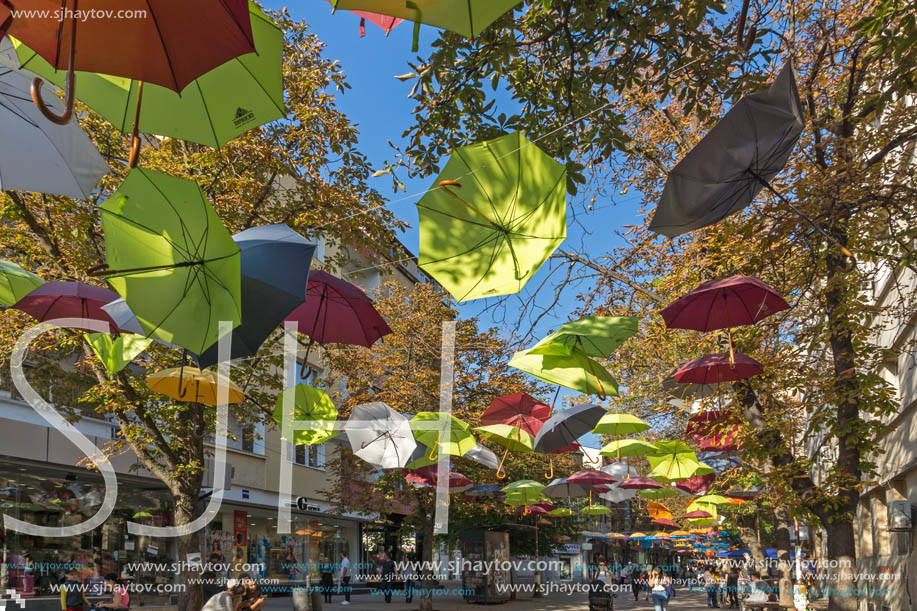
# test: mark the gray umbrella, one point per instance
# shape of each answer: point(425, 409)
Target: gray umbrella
point(734, 161)
point(275, 271)
point(8, 57)
point(561, 488)
point(483, 456)
point(565, 427)
point(685, 392)
point(38, 155)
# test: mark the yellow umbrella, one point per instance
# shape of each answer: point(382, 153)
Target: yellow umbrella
point(192, 385)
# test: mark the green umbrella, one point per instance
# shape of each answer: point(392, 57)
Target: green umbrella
point(713, 499)
point(171, 259)
point(560, 512)
point(524, 492)
point(460, 437)
point(16, 283)
point(116, 353)
point(214, 109)
point(620, 424)
point(628, 447)
point(673, 460)
point(596, 336)
point(658, 493)
point(466, 17)
point(595, 510)
point(576, 371)
point(310, 404)
point(510, 437)
point(496, 215)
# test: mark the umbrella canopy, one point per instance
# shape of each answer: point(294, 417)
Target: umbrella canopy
point(192, 385)
point(725, 440)
point(698, 514)
point(560, 512)
point(218, 106)
point(668, 523)
point(126, 321)
point(576, 371)
point(618, 495)
point(37, 155)
point(720, 460)
point(716, 368)
point(170, 257)
point(524, 492)
point(518, 409)
point(386, 22)
point(720, 304)
point(483, 456)
point(531, 510)
point(628, 447)
point(591, 478)
point(420, 457)
point(638, 535)
point(68, 300)
point(16, 283)
point(658, 510)
point(620, 424)
point(560, 487)
point(727, 169)
point(116, 352)
point(309, 404)
point(639, 483)
point(674, 461)
point(714, 499)
point(460, 440)
point(274, 262)
point(658, 493)
point(380, 435)
point(483, 490)
point(489, 235)
point(595, 510)
point(619, 470)
point(429, 476)
point(594, 336)
point(510, 437)
point(696, 483)
point(338, 312)
point(744, 493)
point(565, 427)
point(688, 392)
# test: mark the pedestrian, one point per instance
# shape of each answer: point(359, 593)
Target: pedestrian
point(635, 582)
point(757, 589)
point(732, 587)
point(73, 593)
point(345, 578)
point(645, 582)
point(228, 600)
point(121, 599)
point(721, 585)
point(659, 585)
point(388, 576)
point(605, 576)
point(710, 585)
point(327, 577)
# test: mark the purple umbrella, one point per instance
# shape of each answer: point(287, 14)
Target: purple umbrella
point(716, 368)
point(68, 300)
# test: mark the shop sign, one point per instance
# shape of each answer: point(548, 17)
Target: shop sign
point(567, 548)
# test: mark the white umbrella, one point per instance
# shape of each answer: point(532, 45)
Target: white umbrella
point(617, 495)
point(38, 155)
point(620, 471)
point(483, 456)
point(380, 435)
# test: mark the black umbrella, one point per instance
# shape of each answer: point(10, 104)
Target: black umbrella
point(275, 271)
point(565, 427)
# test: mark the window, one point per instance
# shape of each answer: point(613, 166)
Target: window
point(310, 456)
point(248, 438)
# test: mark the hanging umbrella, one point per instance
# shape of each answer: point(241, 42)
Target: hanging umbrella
point(116, 352)
point(688, 392)
point(576, 371)
point(620, 471)
point(16, 283)
point(483, 456)
point(716, 368)
point(338, 312)
point(468, 18)
point(68, 300)
point(595, 510)
point(168, 44)
point(658, 510)
point(714, 499)
point(192, 385)
point(429, 476)
point(386, 22)
point(428, 428)
point(380, 435)
point(487, 235)
point(566, 426)
point(218, 106)
point(696, 483)
point(562, 488)
point(724, 172)
point(628, 447)
point(126, 321)
point(524, 492)
point(668, 523)
point(620, 424)
point(531, 510)
point(546, 505)
point(639, 483)
point(275, 263)
point(638, 535)
point(698, 514)
point(510, 437)
point(594, 336)
point(483, 490)
point(724, 441)
point(561, 512)
point(170, 257)
point(309, 404)
point(591, 479)
point(658, 493)
point(39, 156)
point(674, 461)
point(519, 410)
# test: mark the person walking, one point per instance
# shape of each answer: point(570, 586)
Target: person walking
point(388, 576)
point(710, 586)
point(732, 588)
point(345, 578)
point(73, 593)
point(326, 571)
point(635, 582)
point(658, 586)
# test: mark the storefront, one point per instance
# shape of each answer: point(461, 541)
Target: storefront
point(57, 497)
point(568, 561)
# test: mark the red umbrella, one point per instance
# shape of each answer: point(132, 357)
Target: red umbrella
point(727, 441)
point(715, 368)
point(518, 409)
point(531, 510)
point(385, 22)
point(338, 312)
point(590, 478)
point(164, 42)
point(427, 476)
point(698, 514)
point(665, 522)
point(720, 304)
point(696, 483)
point(68, 300)
point(639, 483)
point(546, 505)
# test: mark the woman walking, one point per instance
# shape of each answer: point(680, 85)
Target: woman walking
point(659, 588)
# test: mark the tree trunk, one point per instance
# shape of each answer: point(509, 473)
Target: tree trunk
point(750, 537)
point(784, 564)
point(842, 551)
point(426, 557)
point(191, 595)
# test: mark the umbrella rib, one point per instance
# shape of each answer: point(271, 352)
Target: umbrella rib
point(213, 129)
point(162, 43)
point(452, 216)
point(280, 108)
point(490, 266)
point(474, 176)
point(491, 238)
point(531, 211)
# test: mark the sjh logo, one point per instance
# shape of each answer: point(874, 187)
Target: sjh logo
point(243, 116)
point(12, 597)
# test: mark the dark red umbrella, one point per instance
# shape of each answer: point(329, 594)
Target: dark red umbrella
point(639, 483)
point(546, 505)
point(69, 300)
point(715, 368)
point(338, 312)
point(665, 522)
point(518, 409)
point(531, 510)
point(723, 441)
point(719, 304)
point(591, 478)
point(428, 476)
point(164, 42)
point(698, 514)
point(696, 483)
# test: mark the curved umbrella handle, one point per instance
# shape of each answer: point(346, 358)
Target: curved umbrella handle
point(435, 449)
point(501, 474)
point(445, 184)
point(550, 476)
point(69, 96)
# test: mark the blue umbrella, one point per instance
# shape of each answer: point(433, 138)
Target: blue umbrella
point(484, 490)
point(275, 271)
point(720, 461)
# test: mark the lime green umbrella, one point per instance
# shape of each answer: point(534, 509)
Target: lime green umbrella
point(524, 492)
point(560, 512)
point(171, 259)
point(628, 447)
point(673, 460)
point(460, 437)
point(115, 353)
point(309, 404)
point(713, 499)
point(494, 216)
point(658, 493)
point(620, 424)
point(510, 437)
point(596, 336)
point(466, 17)
point(595, 510)
point(16, 283)
point(575, 371)
point(214, 109)
point(704, 469)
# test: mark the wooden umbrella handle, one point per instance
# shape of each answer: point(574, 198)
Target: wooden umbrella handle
point(69, 95)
